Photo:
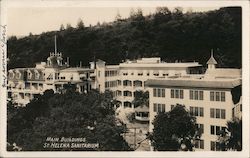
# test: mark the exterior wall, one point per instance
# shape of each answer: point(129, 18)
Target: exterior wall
point(132, 73)
point(206, 120)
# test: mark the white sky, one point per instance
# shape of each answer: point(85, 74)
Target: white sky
point(22, 21)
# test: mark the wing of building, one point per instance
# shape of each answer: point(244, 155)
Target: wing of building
point(214, 98)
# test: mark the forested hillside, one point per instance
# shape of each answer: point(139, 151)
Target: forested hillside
point(171, 35)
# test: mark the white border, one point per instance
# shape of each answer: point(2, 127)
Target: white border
point(4, 5)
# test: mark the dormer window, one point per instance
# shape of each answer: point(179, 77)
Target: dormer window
point(18, 75)
point(37, 75)
point(11, 75)
point(29, 75)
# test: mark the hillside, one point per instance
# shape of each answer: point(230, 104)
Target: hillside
point(172, 35)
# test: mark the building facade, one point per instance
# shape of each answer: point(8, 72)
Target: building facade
point(210, 97)
point(130, 76)
point(25, 83)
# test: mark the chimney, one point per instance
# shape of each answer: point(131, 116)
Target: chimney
point(55, 46)
point(67, 61)
point(80, 63)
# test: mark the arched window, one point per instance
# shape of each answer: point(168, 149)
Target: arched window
point(127, 83)
point(137, 83)
point(127, 93)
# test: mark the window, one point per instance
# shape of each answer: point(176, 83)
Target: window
point(200, 95)
point(200, 127)
point(196, 95)
point(201, 112)
point(127, 93)
point(213, 146)
point(223, 113)
point(216, 130)
point(199, 144)
point(223, 98)
point(29, 75)
point(212, 113)
point(181, 94)
point(159, 92)
point(177, 93)
point(172, 93)
point(212, 130)
point(127, 83)
point(211, 96)
point(110, 73)
point(11, 75)
point(197, 111)
point(218, 113)
point(18, 75)
point(159, 107)
point(218, 96)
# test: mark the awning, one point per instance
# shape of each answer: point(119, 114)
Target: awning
point(143, 108)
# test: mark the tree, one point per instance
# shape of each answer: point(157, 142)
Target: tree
point(173, 130)
point(165, 32)
point(141, 98)
point(62, 27)
point(118, 17)
point(80, 24)
point(231, 138)
point(69, 27)
point(70, 114)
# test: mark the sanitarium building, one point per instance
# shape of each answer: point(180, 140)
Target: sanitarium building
point(214, 97)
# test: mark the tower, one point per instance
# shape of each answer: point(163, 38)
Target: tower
point(55, 59)
point(211, 63)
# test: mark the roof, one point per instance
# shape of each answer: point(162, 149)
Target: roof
point(143, 108)
point(163, 64)
point(212, 60)
point(75, 69)
point(198, 83)
point(224, 72)
point(112, 66)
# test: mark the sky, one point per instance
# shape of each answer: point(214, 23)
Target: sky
point(35, 20)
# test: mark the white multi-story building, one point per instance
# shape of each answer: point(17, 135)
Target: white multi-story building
point(130, 76)
point(25, 83)
point(210, 97)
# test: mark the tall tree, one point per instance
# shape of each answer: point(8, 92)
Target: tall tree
point(231, 138)
point(80, 24)
point(141, 98)
point(70, 115)
point(62, 27)
point(174, 130)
